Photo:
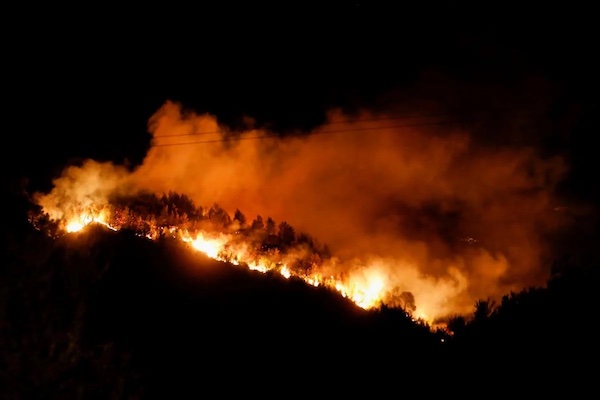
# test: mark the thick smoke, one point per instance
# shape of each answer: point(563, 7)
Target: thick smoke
point(422, 206)
point(81, 188)
point(429, 201)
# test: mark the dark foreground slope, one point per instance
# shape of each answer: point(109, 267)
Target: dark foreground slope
point(106, 314)
point(103, 315)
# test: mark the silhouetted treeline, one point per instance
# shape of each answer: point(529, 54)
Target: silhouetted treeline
point(148, 214)
point(102, 314)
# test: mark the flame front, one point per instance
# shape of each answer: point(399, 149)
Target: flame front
point(367, 293)
point(210, 247)
point(370, 294)
point(367, 290)
point(80, 221)
point(366, 283)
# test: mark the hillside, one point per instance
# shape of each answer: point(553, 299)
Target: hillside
point(115, 313)
point(104, 314)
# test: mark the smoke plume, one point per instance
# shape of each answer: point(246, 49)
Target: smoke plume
point(423, 206)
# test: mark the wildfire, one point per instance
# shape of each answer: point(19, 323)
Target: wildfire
point(370, 294)
point(210, 247)
point(425, 231)
point(367, 286)
point(367, 294)
point(78, 222)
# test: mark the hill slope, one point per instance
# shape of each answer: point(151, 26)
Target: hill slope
point(110, 314)
point(103, 314)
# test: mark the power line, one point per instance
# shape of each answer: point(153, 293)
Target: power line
point(327, 124)
point(463, 118)
point(240, 138)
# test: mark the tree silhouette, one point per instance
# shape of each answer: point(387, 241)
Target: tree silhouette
point(219, 217)
point(456, 324)
point(484, 310)
point(286, 233)
point(240, 218)
point(257, 224)
point(270, 226)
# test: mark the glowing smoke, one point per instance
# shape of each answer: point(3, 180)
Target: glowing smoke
point(429, 210)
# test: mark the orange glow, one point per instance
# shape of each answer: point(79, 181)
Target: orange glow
point(285, 272)
point(369, 293)
point(78, 222)
point(421, 218)
point(366, 290)
point(76, 226)
point(366, 282)
point(210, 247)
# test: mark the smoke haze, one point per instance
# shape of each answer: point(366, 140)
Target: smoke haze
point(424, 206)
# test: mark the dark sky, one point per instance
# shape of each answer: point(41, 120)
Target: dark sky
point(82, 83)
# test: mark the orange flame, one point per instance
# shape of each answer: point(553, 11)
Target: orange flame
point(366, 292)
point(367, 286)
point(210, 247)
point(78, 222)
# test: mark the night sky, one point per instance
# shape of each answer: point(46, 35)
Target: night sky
point(83, 83)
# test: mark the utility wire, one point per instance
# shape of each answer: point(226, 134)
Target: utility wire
point(326, 124)
point(240, 138)
point(464, 118)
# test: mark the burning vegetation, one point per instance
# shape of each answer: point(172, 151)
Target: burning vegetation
point(383, 211)
point(261, 244)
